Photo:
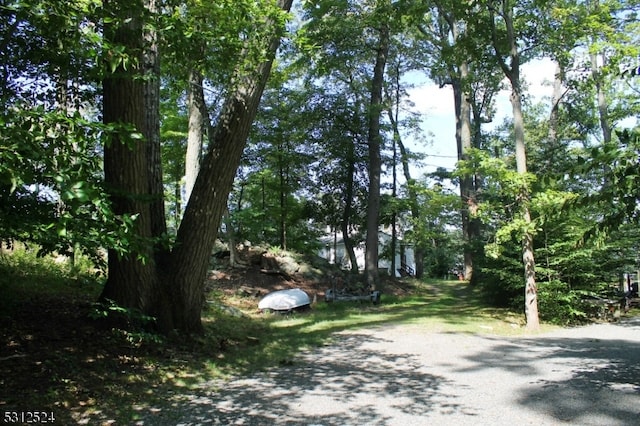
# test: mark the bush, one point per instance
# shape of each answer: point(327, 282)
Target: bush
point(558, 304)
point(24, 274)
point(501, 280)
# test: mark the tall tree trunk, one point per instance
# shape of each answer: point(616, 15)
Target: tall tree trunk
point(196, 108)
point(512, 72)
point(158, 300)
point(394, 195)
point(475, 224)
point(531, 288)
point(393, 112)
point(282, 175)
point(464, 141)
point(126, 164)
point(152, 128)
point(459, 80)
point(202, 216)
point(345, 223)
point(419, 250)
point(555, 107)
point(234, 259)
point(374, 142)
point(603, 106)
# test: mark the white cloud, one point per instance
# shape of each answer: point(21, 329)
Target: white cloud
point(433, 101)
point(436, 105)
point(539, 75)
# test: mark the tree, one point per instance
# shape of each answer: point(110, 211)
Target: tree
point(350, 48)
point(151, 131)
point(453, 54)
point(394, 103)
point(202, 216)
point(198, 119)
point(509, 30)
point(276, 168)
point(374, 143)
point(173, 291)
point(51, 191)
point(126, 157)
point(443, 33)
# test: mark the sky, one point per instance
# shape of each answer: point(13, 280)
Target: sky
point(436, 106)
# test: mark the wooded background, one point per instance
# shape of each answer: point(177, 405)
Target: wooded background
point(136, 127)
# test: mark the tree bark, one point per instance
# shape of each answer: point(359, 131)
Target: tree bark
point(126, 164)
point(394, 195)
point(464, 141)
point(459, 80)
point(374, 142)
point(152, 124)
point(196, 108)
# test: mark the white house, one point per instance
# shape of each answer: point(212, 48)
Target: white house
point(333, 249)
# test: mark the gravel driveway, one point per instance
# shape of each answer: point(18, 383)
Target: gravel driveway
point(404, 376)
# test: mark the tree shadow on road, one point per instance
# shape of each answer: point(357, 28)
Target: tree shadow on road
point(326, 386)
point(579, 379)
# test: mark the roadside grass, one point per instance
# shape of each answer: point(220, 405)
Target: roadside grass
point(433, 306)
point(55, 357)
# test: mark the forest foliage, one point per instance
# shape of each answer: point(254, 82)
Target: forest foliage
point(307, 164)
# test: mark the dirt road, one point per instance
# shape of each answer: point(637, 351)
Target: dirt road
point(405, 376)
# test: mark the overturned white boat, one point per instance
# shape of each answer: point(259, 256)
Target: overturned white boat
point(284, 300)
